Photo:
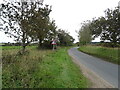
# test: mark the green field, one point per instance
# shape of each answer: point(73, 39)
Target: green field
point(108, 54)
point(14, 47)
point(41, 69)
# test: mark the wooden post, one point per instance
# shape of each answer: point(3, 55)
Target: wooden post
point(54, 44)
point(53, 47)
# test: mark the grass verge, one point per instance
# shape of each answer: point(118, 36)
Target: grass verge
point(107, 54)
point(41, 69)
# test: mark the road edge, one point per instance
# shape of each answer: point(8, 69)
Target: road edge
point(96, 80)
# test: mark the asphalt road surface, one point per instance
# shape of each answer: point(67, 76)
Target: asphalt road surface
point(106, 70)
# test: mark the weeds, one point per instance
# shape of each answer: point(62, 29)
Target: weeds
point(40, 69)
point(18, 70)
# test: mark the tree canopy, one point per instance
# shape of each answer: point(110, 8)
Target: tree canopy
point(108, 28)
point(85, 34)
point(64, 38)
point(27, 22)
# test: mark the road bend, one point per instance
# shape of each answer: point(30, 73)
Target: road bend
point(106, 70)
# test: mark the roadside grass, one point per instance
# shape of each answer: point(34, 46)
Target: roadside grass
point(41, 69)
point(18, 71)
point(108, 54)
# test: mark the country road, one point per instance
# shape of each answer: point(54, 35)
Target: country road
point(105, 70)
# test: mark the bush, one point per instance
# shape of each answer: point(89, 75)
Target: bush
point(109, 44)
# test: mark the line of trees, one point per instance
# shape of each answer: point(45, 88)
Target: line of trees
point(107, 28)
point(29, 22)
point(64, 38)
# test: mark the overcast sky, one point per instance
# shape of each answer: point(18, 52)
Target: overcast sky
point(69, 14)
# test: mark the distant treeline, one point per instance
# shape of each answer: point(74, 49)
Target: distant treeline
point(104, 44)
point(17, 44)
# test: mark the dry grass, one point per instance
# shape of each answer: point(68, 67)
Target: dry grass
point(41, 69)
point(18, 70)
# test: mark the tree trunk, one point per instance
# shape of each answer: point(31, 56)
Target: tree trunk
point(23, 43)
point(23, 48)
point(40, 44)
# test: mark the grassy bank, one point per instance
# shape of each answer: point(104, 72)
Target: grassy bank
point(108, 54)
point(41, 69)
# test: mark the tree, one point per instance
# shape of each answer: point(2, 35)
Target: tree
point(50, 35)
point(97, 26)
point(15, 17)
point(85, 34)
point(108, 27)
point(64, 38)
point(40, 23)
point(112, 26)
